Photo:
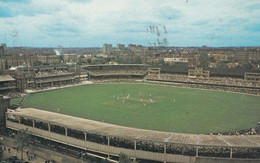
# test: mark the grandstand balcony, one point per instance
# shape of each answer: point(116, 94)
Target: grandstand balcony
point(7, 83)
point(57, 79)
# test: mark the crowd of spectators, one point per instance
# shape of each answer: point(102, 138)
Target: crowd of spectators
point(181, 149)
point(252, 131)
point(57, 129)
point(121, 142)
point(41, 125)
point(117, 72)
point(7, 84)
point(150, 146)
point(26, 121)
point(14, 94)
point(215, 83)
point(47, 73)
point(56, 78)
point(97, 138)
point(117, 80)
point(215, 151)
point(76, 134)
point(212, 80)
point(246, 153)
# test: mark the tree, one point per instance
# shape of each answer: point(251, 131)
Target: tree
point(81, 62)
point(37, 63)
point(89, 61)
point(101, 60)
point(22, 140)
point(137, 60)
point(222, 65)
point(204, 60)
point(161, 62)
point(180, 64)
point(61, 58)
point(212, 59)
point(247, 65)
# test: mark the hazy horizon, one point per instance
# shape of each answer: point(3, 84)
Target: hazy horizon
point(114, 46)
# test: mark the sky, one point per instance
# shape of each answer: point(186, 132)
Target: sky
point(91, 23)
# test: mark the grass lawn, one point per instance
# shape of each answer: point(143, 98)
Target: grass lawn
point(16, 100)
point(153, 107)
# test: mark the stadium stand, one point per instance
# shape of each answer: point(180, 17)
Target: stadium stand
point(216, 83)
point(113, 139)
point(7, 83)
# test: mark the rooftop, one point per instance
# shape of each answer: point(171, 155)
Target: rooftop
point(4, 78)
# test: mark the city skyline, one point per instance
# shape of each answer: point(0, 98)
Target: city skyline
point(90, 23)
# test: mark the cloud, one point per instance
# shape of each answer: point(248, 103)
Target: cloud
point(93, 22)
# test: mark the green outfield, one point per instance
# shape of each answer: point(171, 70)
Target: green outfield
point(155, 107)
